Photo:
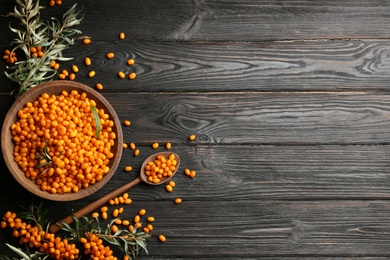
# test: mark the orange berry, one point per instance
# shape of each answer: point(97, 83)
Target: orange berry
point(155, 145)
point(136, 152)
point(178, 200)
point(128, 168)
point(122, 36)
point(126, 122)
point(87, 61)
point(99, 86)
point(162, 238)
point(142, 212)
point(191, 137)
point(130, 61)
point(192, 174)
point(169, 188)
point(75, 68)
point(132, 75)
point(87, 41)
point(121, 74)
point(110, 55)
point(168, 146)
point(91, 74)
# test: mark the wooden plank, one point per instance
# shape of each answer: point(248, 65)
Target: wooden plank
point(283, 66)
point(251, 118)
point(255, 118)
point(234, 20)
point(229, 20)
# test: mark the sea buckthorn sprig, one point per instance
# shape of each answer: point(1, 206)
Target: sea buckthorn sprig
point(31, 233)
point(84, 238)
point(63, 142)
point(33, 33)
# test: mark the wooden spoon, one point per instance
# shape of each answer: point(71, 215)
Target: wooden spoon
point(100, 202)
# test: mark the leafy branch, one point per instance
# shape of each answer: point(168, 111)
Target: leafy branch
point(54, 37)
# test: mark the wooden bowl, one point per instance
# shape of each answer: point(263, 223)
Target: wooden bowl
point(56, 87)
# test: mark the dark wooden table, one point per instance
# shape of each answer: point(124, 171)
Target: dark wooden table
point(290, 104)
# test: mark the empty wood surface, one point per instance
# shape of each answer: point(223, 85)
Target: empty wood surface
point(289, 101)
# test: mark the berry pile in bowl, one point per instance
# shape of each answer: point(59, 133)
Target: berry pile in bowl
point(62, 140)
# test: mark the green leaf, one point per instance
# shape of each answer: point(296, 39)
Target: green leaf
point(18, 251)
point(97, 120)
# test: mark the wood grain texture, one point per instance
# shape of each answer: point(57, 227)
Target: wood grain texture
point(255, 118)
point(210, 20)
point(224, 67)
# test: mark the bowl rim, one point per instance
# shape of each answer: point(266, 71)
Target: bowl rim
point(56, 87)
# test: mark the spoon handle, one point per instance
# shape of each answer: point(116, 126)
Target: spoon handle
point(96, 204)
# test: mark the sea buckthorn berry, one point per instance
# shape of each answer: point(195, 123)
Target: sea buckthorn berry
point(115, 213)
point(87, 41)
point(155, 145)
point(99, 86)
point(187, 172)
point(191, 137)
point(172, 183)
point(56, 66)
point(138, 225)
point(104, 209)
point(104, 215)
point(114, 228)
point(132, 146)
point(130, 61)
point(131, 228)
point(124, 145)
point(127, 122)
point(3, 224)
point(128, 168)
point(142, 212)
point(122, 36)
point(137, 218)
point(65, 72)
point(128, 201)
point(52, 3)
point(61, 76)
point(192, 174)
point(150, 219)
point(125, 222)
point(87, 61)
point(178, 200)
point(169, 188)
point(146, 230)
point(168, 146)
point(72, 76)
point(162, 238)
point(136, 152)
point(75, 69)
point(132, 75)
point(110, 55)
point(95, 215)
point(150, 227)
point(91, 74)
point(118, 221)
point(121, 74)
